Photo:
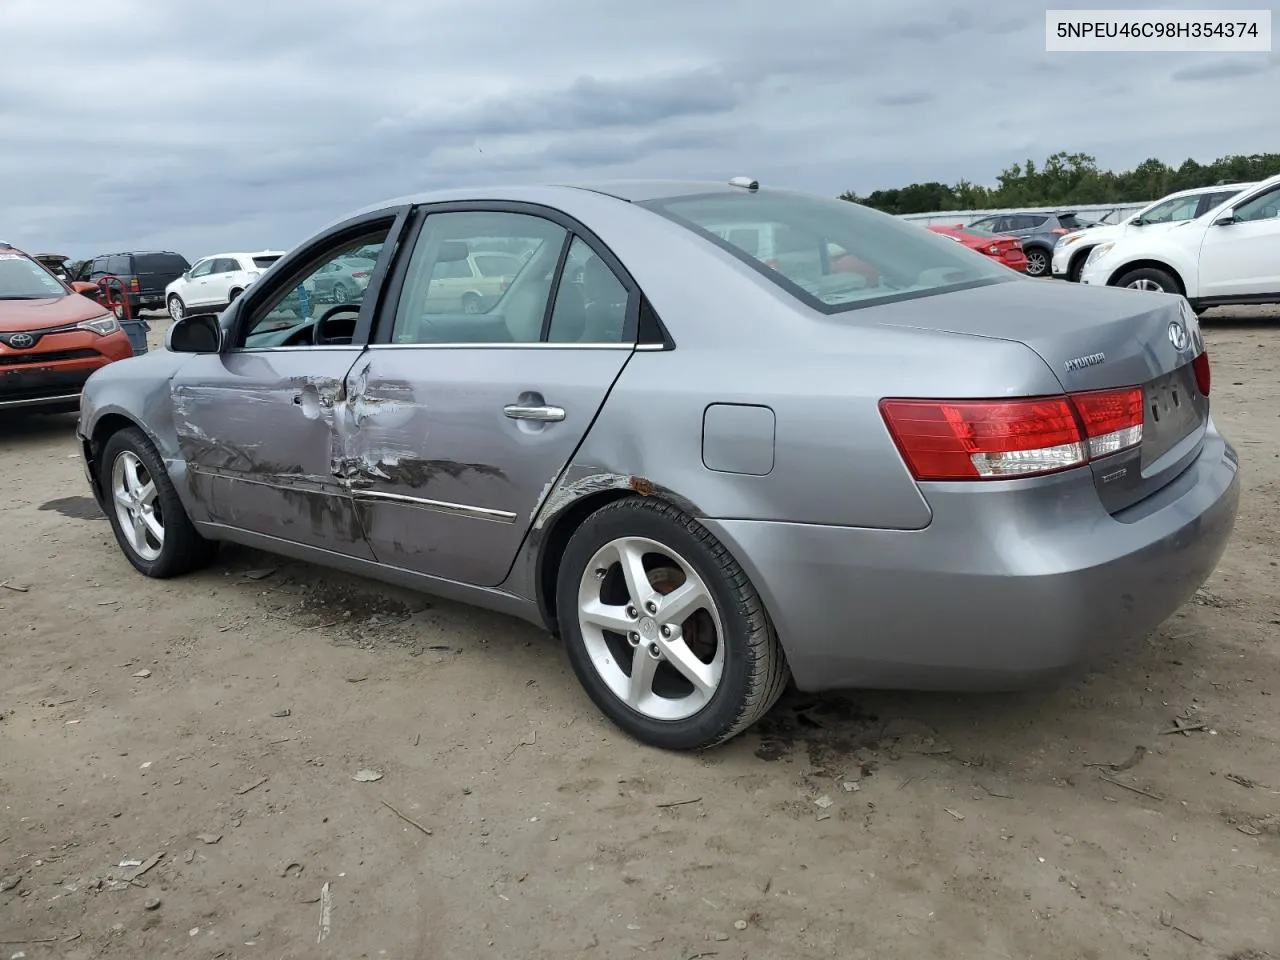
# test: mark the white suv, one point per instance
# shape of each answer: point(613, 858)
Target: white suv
point(213, 282)
point(1071, 250)
point(1229, 255)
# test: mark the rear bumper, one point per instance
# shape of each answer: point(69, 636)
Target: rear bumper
point(1004, 588)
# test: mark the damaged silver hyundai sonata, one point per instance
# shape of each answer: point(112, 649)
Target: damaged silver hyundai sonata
point(713, 436)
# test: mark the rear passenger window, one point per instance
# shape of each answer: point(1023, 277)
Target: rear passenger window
point(592, 310)
point(445, 301)
point(120, 266)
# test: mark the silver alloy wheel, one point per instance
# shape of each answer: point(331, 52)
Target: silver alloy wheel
point(651, 628)
point(1036, 263)
point(176, 310)
point(133, 491)
point(339, 293)
point(1148, 285)
point(471, 304)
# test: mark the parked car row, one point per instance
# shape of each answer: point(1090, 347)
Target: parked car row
point(1214, 246)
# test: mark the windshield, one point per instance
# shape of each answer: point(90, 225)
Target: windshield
point(24, 279)
point(831, 254)
point(263, 262)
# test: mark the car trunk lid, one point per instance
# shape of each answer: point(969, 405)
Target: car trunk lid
point(1097, 339)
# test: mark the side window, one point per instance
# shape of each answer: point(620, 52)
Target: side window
point(203, 268)
point(286, 318)
point(1183, 208)
point(119, 265)
point(990, 224)
point(1211, 201)
point(99, 268)
point(224, 265)
point(592, 311)
point(441, 303)
point(1263, 207)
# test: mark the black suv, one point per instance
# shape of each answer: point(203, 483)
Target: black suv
point(145, 274)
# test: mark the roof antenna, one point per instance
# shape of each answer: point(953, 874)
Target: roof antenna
point(746, 183)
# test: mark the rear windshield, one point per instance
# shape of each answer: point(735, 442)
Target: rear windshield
point(23, 279)
point(160, 263)
point(820, 250)
point(263, 262)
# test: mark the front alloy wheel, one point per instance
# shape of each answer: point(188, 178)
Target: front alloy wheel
point(146, 515)
point(1037, 263)
point(137, 506)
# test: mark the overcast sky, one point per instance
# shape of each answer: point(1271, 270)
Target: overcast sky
point(247, 124)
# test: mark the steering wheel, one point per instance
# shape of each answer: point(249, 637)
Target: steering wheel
point(343, 333)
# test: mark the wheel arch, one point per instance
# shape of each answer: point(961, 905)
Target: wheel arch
point(1151, 264)
point(564, 512)
point(103, 429)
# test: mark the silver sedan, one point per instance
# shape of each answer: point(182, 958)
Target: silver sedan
point(755, 436)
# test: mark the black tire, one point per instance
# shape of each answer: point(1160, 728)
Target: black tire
point(1160, 278)
point(1039, 261)
point(231, 297)
point(183, 549)
point(1200, 311)
point(1076, 266)
point(339, 294)
point(173, 302)
point(472, 304)
point(755, 669)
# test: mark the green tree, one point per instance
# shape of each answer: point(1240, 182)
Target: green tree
point(1070, 179)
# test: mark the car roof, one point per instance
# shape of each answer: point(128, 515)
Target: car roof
point(1216, 188)
point(631, 191)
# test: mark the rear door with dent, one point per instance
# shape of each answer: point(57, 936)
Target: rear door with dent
point(464, 420)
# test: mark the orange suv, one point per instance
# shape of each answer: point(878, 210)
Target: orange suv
point(51, 337)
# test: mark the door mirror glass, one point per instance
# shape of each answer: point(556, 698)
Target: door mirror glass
point(199, 333)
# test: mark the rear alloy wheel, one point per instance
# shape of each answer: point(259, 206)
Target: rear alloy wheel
point(1037, 262)
point(663, 628)
point(472, 304)
point(177, 309)
point(1150, 280)
point(339, 293)
point(146, 515)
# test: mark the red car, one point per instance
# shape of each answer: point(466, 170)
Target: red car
point(51, 337)
point(1006, 250)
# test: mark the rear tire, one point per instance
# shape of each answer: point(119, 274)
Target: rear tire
point(712, 664)
point(141, 500)
point(1039, 261)
point(1148, 279)
point(231, 297)
point(177, 309)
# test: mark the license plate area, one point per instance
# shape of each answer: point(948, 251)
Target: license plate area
point(1174, 408)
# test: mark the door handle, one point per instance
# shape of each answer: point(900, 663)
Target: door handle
point(543, 413)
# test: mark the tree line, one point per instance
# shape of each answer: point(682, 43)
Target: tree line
point(1070, 179)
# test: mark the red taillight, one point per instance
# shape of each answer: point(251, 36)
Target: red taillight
point(134, 285)
point(999, 439)
point(360, 274)
point(1201, 367)
point(1060, 231)
point(1112, 419)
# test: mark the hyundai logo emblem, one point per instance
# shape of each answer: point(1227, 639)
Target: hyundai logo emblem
point(1178, 336)
point(20, 341)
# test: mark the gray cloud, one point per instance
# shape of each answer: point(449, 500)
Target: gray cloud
point(253, 127)
point(905, 99)
point(1221, 70)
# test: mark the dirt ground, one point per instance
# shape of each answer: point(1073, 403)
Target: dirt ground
point(232, 723)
